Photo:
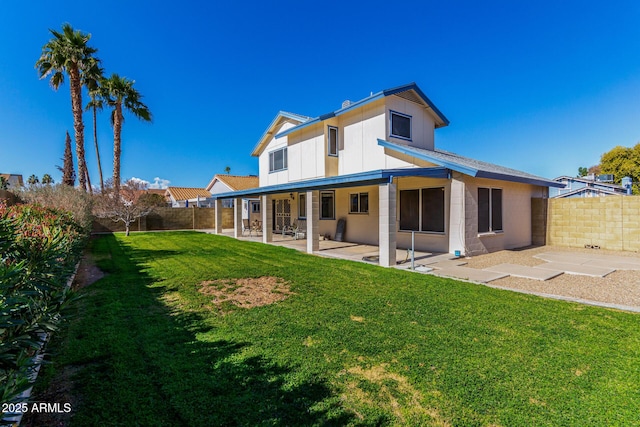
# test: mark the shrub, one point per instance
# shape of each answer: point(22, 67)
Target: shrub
point(39, 248)
point(63, 197)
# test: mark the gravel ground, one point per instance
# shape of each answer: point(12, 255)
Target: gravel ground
point(620, 287)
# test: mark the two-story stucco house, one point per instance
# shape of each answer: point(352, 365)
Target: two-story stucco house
point(374, 164)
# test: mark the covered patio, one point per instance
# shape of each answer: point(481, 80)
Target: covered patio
point(383, 214)
point(346, 250)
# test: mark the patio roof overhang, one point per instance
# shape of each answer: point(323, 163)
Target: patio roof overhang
point(353, 180)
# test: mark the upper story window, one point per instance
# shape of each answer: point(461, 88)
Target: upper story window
point(400, 125)
point(278, 160)
point(332, 141)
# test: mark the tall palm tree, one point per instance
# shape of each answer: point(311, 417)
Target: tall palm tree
point(120, 94)
point(92, 79)
point(68, 53)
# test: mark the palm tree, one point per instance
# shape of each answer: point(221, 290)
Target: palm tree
point(92, 79)
point(227, 170)
point(68, 53)
point(118, 92)
point(47, 179)
point(33, 180)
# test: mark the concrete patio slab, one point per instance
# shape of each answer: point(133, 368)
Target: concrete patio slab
point(446, 263)
point(525, 271)
point(563, 257)
point(585, 270)
point(466, 273)
point(618, 265)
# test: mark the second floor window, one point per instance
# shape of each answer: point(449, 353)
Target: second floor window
point(333, 141)
point(278, 160)
point(400, 125)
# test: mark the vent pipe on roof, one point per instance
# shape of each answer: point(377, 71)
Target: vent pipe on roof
point(346, 103)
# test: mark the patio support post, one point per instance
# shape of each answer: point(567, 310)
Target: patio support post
point(387, 224)
point(218, 216)
point(237, 218)
point(457, 220)
point(267, 218)
point(313, 217)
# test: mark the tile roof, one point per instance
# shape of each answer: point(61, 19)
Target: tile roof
point(187, 193)
point(469, 166)
point(235, 182)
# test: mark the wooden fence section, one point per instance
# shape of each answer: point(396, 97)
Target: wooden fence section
point(170, 219)
point(611, 222)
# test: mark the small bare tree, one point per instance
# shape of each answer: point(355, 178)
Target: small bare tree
point(126, 205)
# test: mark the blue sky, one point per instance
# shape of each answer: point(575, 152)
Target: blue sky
point(543, 86)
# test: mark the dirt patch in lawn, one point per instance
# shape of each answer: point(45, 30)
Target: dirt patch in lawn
point(377, 387)
point(247, 292)
point(87, 273)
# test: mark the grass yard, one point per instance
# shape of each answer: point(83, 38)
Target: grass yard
point(339, 343)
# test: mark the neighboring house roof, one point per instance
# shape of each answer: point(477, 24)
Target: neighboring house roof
point(590, 182)
point(13, 178)
point(235, 182)
point(281, 117)
point(186, 193)
point(468, 166)
point(583, 191)
point(409, 91)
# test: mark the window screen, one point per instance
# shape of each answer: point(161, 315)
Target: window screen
point(483, 210)
point(400, 125)
point(278, 160)
point(333, 141)
point(409, 210)
point(433, 209)
point(496, 209)
point(302, 205)
point(327, 205)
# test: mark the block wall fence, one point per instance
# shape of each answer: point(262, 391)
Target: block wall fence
point(170, 219)
point(611, 222)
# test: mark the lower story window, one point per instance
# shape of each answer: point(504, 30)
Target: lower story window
point(327, 205)
point(489, 210)
point(359, 203)
point(255, 207)
point(422, 210)
point(302, 205)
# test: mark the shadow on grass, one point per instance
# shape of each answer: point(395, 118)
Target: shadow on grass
point(139, 362)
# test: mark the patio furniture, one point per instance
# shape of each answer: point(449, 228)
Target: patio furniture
point(300, 229)
point(256, 226)
point(246, 227)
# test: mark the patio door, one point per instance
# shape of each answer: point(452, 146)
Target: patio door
point(281, 214)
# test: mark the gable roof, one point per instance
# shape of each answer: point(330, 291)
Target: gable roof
point(235, 182)
point(588, 190)
point(281, 118)
point(409, 91)
point(590, 182)
point(187, 193)
point(468, 166)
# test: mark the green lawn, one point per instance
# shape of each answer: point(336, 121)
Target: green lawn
point(356, 344)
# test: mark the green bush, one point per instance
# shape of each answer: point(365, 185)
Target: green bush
point(39, 248)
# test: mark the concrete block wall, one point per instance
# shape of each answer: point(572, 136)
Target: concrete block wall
point(611, 222)
point(164, 219)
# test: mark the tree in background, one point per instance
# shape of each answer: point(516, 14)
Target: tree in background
point(118, 92)
point(68, 53)
point(582, 171)
point(68, 172)
point(4, 183)
point(47, 179)
point(33, 180)
point(92, 79)
point(125, 203)
point(227, 170)
point(621, 162)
